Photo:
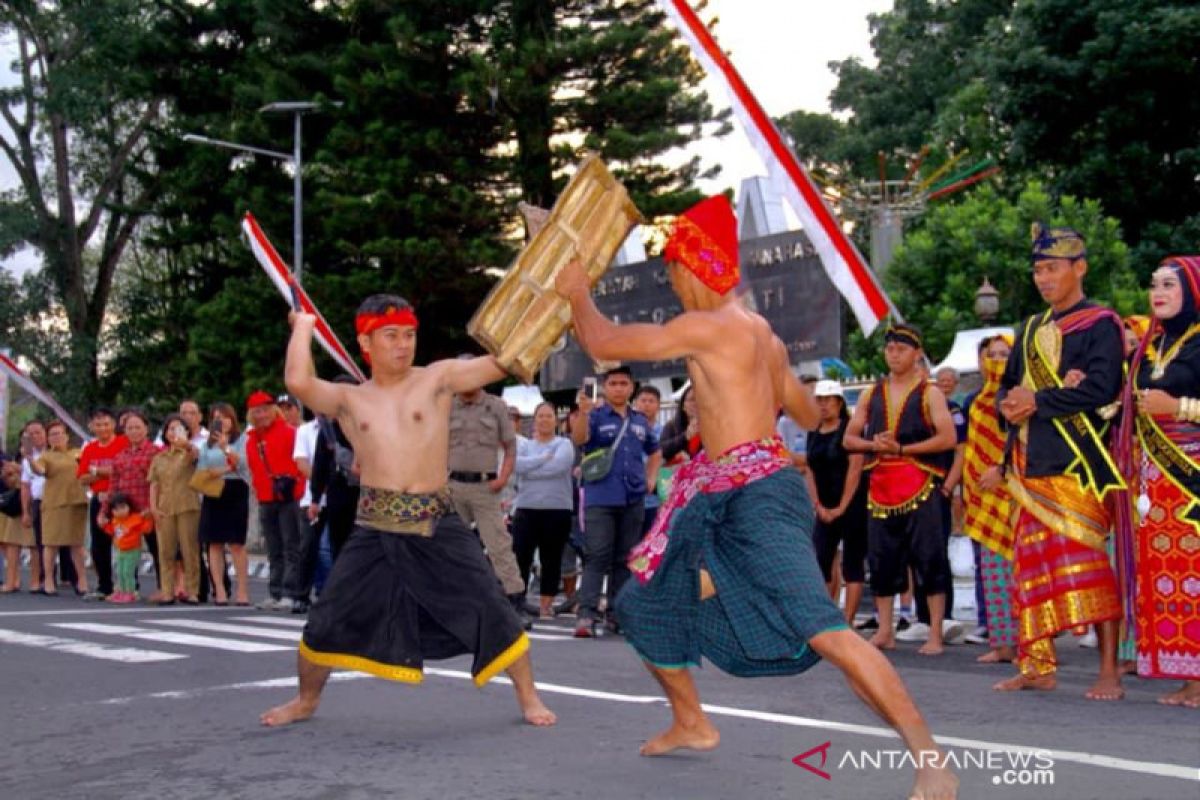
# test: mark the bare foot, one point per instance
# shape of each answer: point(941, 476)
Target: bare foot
point(1042, 683)
point(1127, 668)
point(1187, 695)
point(934, 784)
point(295, 710)
point(931, 648)
point(883, 641)
point(1106, 688)
point(702, 736)
point(995, 657)
point(537, 714)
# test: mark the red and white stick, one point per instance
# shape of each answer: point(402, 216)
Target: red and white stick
point(10, 368)
point(844, 265)
point(293, 293)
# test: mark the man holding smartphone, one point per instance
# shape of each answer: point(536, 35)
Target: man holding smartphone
point(614, 504)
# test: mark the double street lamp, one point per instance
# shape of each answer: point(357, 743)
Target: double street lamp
point(297, 109)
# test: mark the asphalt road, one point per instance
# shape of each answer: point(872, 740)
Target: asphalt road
point(116, 702)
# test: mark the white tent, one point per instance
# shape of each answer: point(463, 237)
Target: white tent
point(523, 398)
point(964, 353)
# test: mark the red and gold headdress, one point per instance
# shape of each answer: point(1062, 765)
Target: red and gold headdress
point(704, 239)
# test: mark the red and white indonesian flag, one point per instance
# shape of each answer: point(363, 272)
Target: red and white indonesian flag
point(281, 275)
point(10, 368)
point(844, 265)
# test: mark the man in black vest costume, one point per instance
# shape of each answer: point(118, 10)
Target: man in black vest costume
point(903, 425)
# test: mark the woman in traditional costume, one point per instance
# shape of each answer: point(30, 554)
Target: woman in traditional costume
point(988, 505)
point(1165, 434)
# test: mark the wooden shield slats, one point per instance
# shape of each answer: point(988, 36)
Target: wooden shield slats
point(522, 318)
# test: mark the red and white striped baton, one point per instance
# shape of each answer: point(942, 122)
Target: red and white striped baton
point(10, 368)
point(294, 294)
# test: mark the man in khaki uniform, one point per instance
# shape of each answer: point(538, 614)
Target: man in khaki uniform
point(479, 428)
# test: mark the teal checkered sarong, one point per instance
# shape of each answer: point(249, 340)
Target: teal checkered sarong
point(756, 543)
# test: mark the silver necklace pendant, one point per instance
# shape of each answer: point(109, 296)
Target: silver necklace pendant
point(1143, 505)
point(1158, 371)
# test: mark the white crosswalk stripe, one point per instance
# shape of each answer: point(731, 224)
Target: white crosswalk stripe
point(289, 622)
point(552, 637)
point(126, 655)
point(543, 634)
point(172, 637)
point(222, 627)
point(240, 634)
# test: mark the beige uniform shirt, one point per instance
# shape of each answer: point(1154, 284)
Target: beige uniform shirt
point(477, 431)
point(170, 471)
point(62, 487)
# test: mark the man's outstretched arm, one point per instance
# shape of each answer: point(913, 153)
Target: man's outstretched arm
point(605, 341)
point(299, 374)
point(468, 374)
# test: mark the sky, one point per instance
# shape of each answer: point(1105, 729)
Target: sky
point(781, 48)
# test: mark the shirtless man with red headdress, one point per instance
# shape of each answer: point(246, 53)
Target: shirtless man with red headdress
point(412, 583)
point(728, 571)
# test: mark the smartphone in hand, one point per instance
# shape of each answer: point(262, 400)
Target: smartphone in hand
point(214, 431)
point(591, 388)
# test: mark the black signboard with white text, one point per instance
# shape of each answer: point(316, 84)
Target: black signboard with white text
point(788, 285)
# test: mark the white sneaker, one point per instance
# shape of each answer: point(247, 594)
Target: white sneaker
point(916, 632)
point(977, 636)
point(953, 631)
point(1089, 639)
point(272, 604)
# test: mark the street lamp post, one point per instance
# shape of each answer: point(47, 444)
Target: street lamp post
point(297, 109)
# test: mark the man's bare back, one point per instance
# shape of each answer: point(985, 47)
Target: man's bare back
point(738, 377)
point(738, 366)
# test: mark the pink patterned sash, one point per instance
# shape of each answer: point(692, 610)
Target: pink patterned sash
point(737, 467)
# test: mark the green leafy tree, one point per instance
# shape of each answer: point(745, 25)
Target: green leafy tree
point(943, 261)
point(926, 57)
point(1099, 100)
point(77, 129)
point(570, 76)
point(409, 184)
point(194, 317)
point(820, 141)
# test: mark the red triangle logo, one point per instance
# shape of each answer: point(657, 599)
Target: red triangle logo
point(801, 760)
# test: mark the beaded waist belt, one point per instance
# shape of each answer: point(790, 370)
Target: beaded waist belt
point(399, 512)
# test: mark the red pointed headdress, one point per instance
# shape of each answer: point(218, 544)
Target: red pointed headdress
point(704, 239)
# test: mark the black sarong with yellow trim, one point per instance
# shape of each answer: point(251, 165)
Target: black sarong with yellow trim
point(412, 584)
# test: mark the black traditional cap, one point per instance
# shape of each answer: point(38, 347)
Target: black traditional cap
point(1056, 243)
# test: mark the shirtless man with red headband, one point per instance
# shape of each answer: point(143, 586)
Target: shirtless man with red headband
point(412, 583)
point(728, 571)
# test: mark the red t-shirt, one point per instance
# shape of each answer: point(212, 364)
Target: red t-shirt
point(100, 455)
point(278, 441)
